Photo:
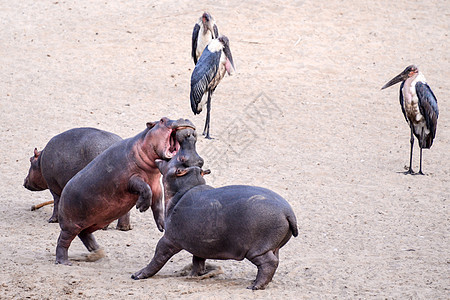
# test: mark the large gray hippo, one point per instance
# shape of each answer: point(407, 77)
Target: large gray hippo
point(232, 222)
point(63, 157)
point(122, 176)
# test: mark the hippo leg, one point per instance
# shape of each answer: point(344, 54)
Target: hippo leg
point(88, 240)
point(198, 266)
point(157, 204)
point(267, 265)
point(164, 251)
point(138, 186)
point(124, 222)
point(54, 217)
point(276, 252)
point(64, 241)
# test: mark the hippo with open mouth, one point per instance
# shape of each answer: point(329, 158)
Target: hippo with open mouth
point(231, 222)
point(122, 176)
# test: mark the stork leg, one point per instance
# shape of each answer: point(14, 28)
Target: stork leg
point(208, 113)
point(420, 144)
point(420, 170)
point(410, 171)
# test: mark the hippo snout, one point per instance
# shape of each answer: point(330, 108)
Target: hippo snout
point(191, 159)
point(27, 185)
point(182, 124)
point(31, 187)
point(176, 124)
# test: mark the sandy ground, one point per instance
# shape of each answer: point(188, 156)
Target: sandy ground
point(303, 115)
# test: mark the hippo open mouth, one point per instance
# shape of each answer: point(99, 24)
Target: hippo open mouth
point(172, 142)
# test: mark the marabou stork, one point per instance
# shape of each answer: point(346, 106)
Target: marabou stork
point(208, 72)
point(420, 108)
point(204, 31)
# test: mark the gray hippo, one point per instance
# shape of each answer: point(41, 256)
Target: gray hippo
point(63, 157)
point(122, 176)
point(187, 156)
point(232, 222)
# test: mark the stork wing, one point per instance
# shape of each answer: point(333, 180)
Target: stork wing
point(216, 31)
point(194, 42)
point(401, 102)
point(428, 106)
point(204, 72)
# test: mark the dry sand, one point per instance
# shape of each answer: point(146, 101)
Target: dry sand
point(303, 115)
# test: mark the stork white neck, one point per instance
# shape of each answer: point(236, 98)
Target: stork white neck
point(411, 102)
point(411, 81)
point(215, 46)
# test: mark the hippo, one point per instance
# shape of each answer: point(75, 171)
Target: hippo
point(122, 176)
point(187, 156)
point(63, 157)
point(231, 222)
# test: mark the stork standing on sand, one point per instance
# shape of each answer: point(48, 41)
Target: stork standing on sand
point(208, 72)
point(204, 31)
point(420, 108)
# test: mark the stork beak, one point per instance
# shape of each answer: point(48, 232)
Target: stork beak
point(399, 78)
point(211, 28)
point(229, 57)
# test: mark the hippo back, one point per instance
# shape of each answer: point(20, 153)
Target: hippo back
point(69, 152)
point(229, 222)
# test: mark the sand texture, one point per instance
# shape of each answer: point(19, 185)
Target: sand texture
point(303, 115)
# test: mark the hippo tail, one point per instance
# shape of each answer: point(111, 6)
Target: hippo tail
point(292, 223)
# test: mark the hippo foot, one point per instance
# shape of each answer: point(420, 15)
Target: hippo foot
point(91, 256)
point(139, 275)
point(124, 227)
point(96, 255)
point(256, 287)
point(65, 262)
point(209, 272)
point(53, 219)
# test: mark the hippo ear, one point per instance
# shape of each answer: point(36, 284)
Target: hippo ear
point(150, 125)
point(205, 172)
point(162, 165)
point(36, 153)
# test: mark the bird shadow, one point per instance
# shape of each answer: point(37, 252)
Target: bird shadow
point(411, 173)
